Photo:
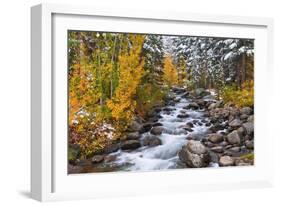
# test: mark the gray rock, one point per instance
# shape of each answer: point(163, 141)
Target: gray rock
point(226, 161)
point(218, 149)
point(201, 92)
point(215, 138)
point(146, 127)
point(196, 147)
point(193, 105)
point(97, 159)
point(182, 116)
point(133, 136)
point(249, 127)
point(241, 131)
point(234, 149)
point(235, 123)
point(196, 160)
point(135, 126)
point(214, 157)
point(157, 130)
point(110, 158)
point(246, 110)
point(233, 137)
point(130, 144)
point(157, 124)
point(249, 144)
point(250, 118)
point(151, 141)
point(244, 116)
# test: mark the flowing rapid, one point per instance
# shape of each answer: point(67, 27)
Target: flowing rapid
point(173, 137)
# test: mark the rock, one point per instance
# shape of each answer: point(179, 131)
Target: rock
point(223, 143)
point(130, 144)
point(218, 149)
point(250, 118)
point(196, 147)
point(226, 161)
point(244, 116)
point(133, 136)
point(215, 138)
point(157, 124)
point(189, 124)
point(249, 127)
point(234, 149)
point(146, 127)
point(214, 157)
point(168, 109)
point(235, 123)
point(246, 110)
point(233, 137)
point(200, 92)
point(194, 154)
point(215, 105)
point(216, 127)
point(111, 148)
point(193, 105)
point(135, 126)
point(97, 159)
point(151, 141)
point(241, 131)
point(182, 116)
point(249, 144)
point(110, 158)
point(157, 130)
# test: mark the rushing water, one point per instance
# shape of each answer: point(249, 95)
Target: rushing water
point(163, 156)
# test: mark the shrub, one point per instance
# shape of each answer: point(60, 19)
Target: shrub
point(240, 97)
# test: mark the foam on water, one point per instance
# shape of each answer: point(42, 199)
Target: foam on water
point(164, 156)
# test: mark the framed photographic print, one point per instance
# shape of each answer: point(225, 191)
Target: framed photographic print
point(135, 102)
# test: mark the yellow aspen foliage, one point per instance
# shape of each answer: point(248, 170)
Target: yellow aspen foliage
point(170, 72)
point(131, 70)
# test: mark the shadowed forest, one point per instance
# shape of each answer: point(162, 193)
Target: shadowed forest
point(151, 102)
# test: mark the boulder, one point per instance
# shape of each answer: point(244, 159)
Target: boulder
point(214, 157)
point(233, 137)
point(196, 147)
point(234, 149)
point(111, 148)
point(200, 92)
point(249, 144)
point(182, 116)
point(241, 131)
point(216, 127)
point(135, 126)
point(215, 138)
point(157, 124)
point(151, 141)
point(145, 127)
point(130, 144)
point(110, 158)
point(218, 149)
point(193, 105)
point(235, 123)
point(157, 130)
point(250, 118)
point(97, 159)
point(226, 161)
point(249, 127)
point(194, 154)
point(189, 124)
point(133, 136)
point(246, 110)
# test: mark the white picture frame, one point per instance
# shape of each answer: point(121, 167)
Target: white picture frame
point(49, 179)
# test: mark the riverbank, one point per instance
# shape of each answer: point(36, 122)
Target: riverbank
point(192, 129)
